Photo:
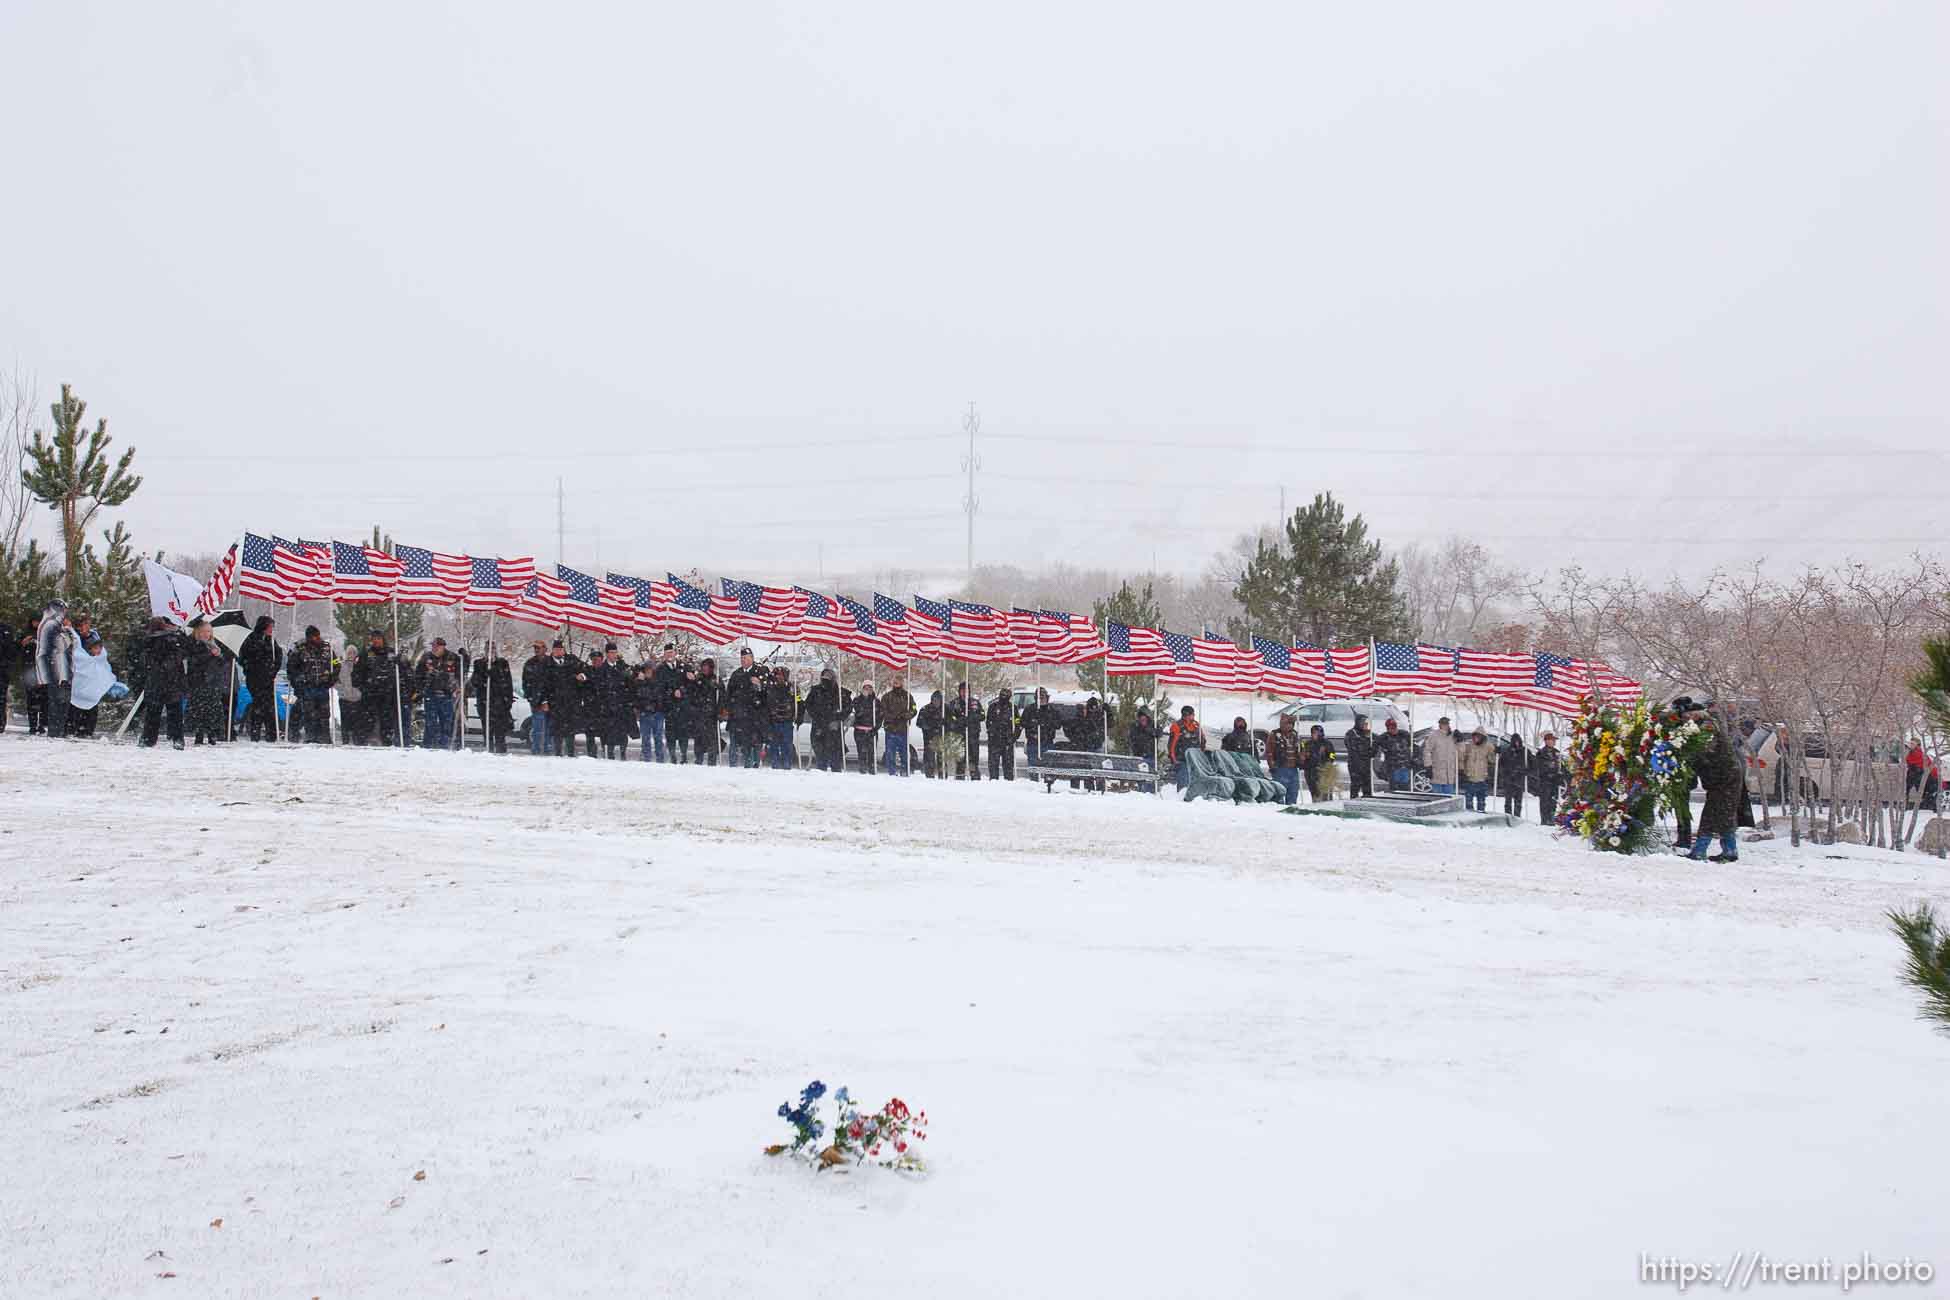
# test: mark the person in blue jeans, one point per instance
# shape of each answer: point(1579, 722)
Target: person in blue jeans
point(1442, 753)
point(1283, 754)
point(439, 682)
point(1722, 773)
point(1475, 760)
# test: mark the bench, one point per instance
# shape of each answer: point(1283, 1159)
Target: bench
point(1053, 765)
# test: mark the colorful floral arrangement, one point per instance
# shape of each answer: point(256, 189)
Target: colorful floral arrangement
point(1626, 763)
point(888, 1136)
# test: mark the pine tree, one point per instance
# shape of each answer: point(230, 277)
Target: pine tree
point(72, 477)
point(1123, 696)
point(1323, 582)
point(1928, 968)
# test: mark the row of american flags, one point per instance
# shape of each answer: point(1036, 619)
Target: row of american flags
point(888, 631)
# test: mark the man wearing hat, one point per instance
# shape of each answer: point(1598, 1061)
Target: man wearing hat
point(745, 701)
point(312, 669)
point(1473, 762)
point(438, 681)
point(537, 680)
point(382, 689)
point(260, 657)
point(1547, 777)
point(666, 693)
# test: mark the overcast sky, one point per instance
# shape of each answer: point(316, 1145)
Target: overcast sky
point(1575, 279)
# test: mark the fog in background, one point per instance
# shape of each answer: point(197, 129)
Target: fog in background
point(1625, 284)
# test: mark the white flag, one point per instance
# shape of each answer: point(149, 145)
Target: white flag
point(172, 595)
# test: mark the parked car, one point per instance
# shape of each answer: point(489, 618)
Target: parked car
point(1335, 717)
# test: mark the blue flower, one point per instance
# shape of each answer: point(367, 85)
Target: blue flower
point(814, 1091)
point(840, 1097)
point(785, 1111)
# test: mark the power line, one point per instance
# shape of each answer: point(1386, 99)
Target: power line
point(1367, 445)
point(550, 456)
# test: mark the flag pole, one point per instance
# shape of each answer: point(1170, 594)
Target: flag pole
point(399, 703)
point(487, 706)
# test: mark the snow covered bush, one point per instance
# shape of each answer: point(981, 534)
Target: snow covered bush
point(888, 1136)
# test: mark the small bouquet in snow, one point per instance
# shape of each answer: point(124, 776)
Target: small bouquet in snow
point(889, 1136)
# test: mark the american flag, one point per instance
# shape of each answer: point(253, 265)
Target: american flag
point(1135, 650)
point(597, 606)
point(1024, 643)
point(217, 590)
point(1348, 672)
point(897, 627)
point(1082, 643)
point(1413, 669)
point(1280, 671)
point(1557, 685)
point(868, 642)
point(825, 622)
point(930, 628)
point(1201, 661)
point(543, 602)
point(316, 584)
point(1491, 674)
point(1616, 686)
point(431, 577)
point(977, 634)
point(363, 575)
point(493, 585)
point(261, 576)
point(775, 613)
point(697, 611)
point(651, 599)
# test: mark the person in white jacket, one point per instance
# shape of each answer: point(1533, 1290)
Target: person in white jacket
point(1439, 752)
point(54, 661)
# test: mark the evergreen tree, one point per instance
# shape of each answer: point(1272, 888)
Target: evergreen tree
point(1323, 582)
point(27, 584)
point(1932, 685)
point(70, 475)
point(356, 622)
point(1123, 696)
point(1928, 968)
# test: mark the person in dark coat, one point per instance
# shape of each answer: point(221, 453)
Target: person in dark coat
point(615, 702)
point(1239, 740)
point(1358, 746)
point(1396, 748)
point(9, 660)
point(439, 683)
point(208, 676)
point(1039, 724)
point(705, 695)
point(311, 668)
point(1000, 719)
point(964, 725)
point(1087, 732)
point(1512, 770)
point(866, 717)
point(165, 682)
point(260, 657)
point(896, 713)
point(1284, 749)
point(781, 713)
point(494, 698)
point(745, 702)
point(1547, 777)
point(1142, 738)
point(382, 683)
point(537, 681)
point(827, 708)
point(665, 698)
point(565, 698)
point(1719, 770)
point(1317, 764)
point(932, 724)
point(679, 675)
point(590, 720)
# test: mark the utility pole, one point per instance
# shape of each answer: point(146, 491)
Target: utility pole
point(971, 423)
point(560, 516)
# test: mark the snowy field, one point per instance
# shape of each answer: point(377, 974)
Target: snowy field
point(1166, 1050)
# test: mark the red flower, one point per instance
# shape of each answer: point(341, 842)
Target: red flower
point(900, 1146)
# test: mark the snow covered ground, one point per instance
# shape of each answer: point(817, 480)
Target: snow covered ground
point(1166, 1050)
